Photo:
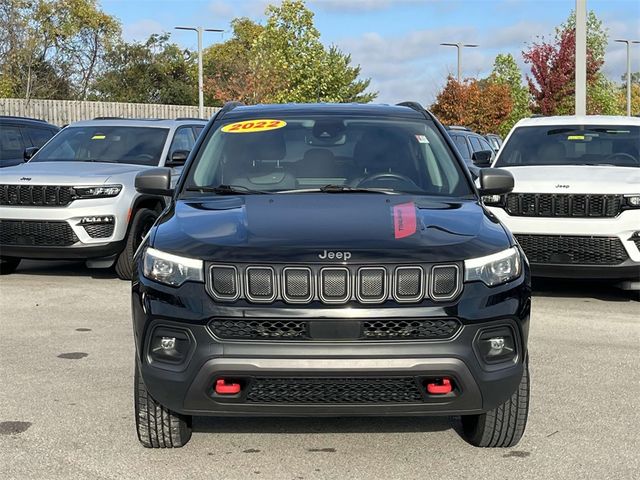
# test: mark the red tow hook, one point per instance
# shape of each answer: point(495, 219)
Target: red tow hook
point(224, 388)
point(440, 387)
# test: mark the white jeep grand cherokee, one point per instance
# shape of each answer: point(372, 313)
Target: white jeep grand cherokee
point(75, 198)
point(575, 208)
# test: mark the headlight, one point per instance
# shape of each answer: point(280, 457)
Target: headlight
point(632, 201)
point(494, 269)
point(99, 191)
point(171, 269)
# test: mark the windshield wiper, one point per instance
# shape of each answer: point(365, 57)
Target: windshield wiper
point(226, 190)
point(331, 188)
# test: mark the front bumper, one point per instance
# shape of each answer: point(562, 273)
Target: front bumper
point(86, 246)
point(622, 227)
point(188, 387)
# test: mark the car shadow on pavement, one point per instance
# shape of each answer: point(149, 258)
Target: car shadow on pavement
point(575, 288)
point(63, 268)
point(320, 425)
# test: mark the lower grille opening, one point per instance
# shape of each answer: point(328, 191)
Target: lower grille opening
point(573, 250)
point(337, 330)
point(409, 329)
point(36, 233)
point(260, 329)
point(332, 390)
point(102, 230)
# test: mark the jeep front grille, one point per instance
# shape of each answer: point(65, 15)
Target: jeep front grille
point(334, 390)
point(334, 285)
point(36, 233)
point(562, 205)
point(573, 250)
point(36, 195)
point(252, 329)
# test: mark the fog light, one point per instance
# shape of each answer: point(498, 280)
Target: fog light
point(168, 343)
point(497, 345)
point(169, 346)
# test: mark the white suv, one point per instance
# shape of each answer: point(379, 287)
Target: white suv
point(575, 208)
point(76, 199)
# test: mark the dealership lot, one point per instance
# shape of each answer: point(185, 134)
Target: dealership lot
point(66, 407)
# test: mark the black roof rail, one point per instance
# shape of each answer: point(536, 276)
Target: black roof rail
point(133, 119)
point(418, 108)
point(414, 105)
point(228, 106)
point(192, 118)
point(537, 115)
point(458, 127)
point(24, 118)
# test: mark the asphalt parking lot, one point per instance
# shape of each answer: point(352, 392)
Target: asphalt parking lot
point(66, 400)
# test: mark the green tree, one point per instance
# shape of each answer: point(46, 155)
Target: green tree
point(53, 48)
point(506, 71)
point(155, 71)
point(282, 61)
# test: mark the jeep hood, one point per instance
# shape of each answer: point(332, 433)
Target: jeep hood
point(576, 179)
point(66, 173)
point(299, 227)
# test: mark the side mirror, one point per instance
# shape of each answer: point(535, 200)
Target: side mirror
point(178, 158)
point(495, 181)
point(482, 158)
point(29, 152)
point(156, 181)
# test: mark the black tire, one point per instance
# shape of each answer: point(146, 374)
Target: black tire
point(8, 265)
point(157, 426)
point(142, 221)
point(502, 426)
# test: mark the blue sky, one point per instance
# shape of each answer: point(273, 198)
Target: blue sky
point(397, 41)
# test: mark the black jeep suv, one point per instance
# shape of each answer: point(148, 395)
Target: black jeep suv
point(329, 260)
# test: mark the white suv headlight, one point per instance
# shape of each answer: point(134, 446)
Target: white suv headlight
point(171, 269)
point(494, 269)
point(98, 191)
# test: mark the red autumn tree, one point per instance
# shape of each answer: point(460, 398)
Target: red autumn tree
point(552, 80)
point(479, 105)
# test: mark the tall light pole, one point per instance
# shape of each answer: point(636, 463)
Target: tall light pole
point(459, 46)
point(628, 42)
point(200, 91)
point(581, 57)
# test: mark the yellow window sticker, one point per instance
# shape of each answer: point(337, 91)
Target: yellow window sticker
point(575, 137)
point(250, 126)
point(98, 137)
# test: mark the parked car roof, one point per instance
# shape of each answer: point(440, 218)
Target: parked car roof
point(579, 120)
point(136, 122)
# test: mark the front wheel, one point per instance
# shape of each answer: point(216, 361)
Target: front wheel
point(157, 426)
point(8, 265)
point(503, 426)
point(142, 222)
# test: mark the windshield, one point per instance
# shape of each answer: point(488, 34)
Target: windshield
point(572, 145)
point(294, 154)
point(135, 145)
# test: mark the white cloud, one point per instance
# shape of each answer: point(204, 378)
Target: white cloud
point(139, 31)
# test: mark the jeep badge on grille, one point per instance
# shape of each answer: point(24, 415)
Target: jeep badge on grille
point(334, 255)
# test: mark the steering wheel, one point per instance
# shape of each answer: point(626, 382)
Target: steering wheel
point(144, 156)
point(398, 177)
point(625, 156)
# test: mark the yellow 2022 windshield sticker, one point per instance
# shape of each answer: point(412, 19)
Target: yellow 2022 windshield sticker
point(250, 126)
